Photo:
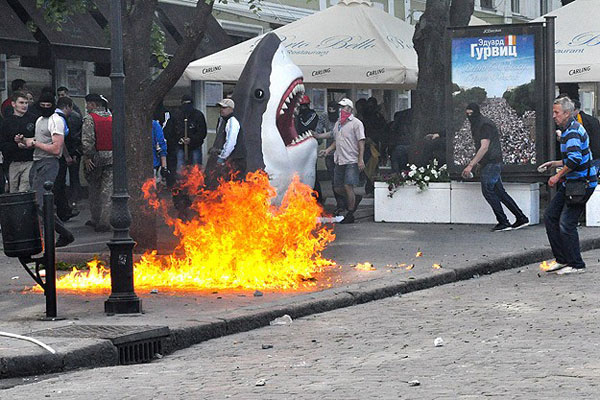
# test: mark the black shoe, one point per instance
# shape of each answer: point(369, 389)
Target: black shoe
point(357, 200)
point(90, 223)
point(501, 228)
point(64, 240)
point(102, 228)
point(348, 219)
point(520, 223)
point(339, 211)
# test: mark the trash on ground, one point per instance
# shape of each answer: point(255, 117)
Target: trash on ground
point(283, 320)
point(261, 382)
point(366, 266)
point(414, 383)
point(154, 291)
point(438, 342)
point(267, 346)
point(258, 293)
point(14, 277)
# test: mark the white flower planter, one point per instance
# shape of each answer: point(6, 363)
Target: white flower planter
point(469, 206)
point(454, 202)
point(409, 204)
point(592, 209)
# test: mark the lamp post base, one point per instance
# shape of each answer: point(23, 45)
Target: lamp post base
point(123, 299)
point(123, 303)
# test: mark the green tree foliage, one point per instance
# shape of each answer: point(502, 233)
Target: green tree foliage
point(522, 98)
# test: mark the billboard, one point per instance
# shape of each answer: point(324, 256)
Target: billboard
point(501, 69)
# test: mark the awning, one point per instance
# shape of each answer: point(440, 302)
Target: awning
point(577, 34)
point(14, 36)
point(215, 37)
point(350, 44)
point(80, 37)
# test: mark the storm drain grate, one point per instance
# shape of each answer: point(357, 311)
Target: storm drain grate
point(136, 344)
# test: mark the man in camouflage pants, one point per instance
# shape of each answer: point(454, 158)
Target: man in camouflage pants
point(96, 137)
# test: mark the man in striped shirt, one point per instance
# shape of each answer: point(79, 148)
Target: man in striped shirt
point(576, 164)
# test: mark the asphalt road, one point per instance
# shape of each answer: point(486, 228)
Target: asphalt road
point(518, 334)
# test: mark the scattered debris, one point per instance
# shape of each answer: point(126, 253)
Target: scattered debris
point(419, 254)
point(436, 266)
point(219, 297)
point(367, 266)
point(154, 291)
point(14, 277)
point(438, 342)
point(267, 346)
point(283, 320)
point(158, 356)
point(409, 267)
point(414, 382)
point(258, 293)
point(476, 276)
point(261, 382)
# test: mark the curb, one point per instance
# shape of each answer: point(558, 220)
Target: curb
point(104, 353)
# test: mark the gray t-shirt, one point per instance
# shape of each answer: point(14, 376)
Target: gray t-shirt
point(44, 129)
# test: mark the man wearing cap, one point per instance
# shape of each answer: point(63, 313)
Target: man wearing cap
point(488, 157)
point(225, 151)
point(47, 148)
point(96, 138)
point(349, 147)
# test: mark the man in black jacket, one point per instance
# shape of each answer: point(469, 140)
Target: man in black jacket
point(20, 160)
point(196, 133)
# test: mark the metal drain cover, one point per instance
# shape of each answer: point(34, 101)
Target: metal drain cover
point(117, 334)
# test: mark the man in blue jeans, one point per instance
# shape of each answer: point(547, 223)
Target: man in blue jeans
point(489, 157)
point(576, 162)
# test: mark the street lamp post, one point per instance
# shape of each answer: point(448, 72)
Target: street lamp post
point(123, 299)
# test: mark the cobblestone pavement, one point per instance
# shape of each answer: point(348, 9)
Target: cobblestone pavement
point(518, 334)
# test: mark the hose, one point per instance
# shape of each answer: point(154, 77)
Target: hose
point(32, 340)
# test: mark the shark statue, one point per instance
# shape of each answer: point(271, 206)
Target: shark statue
point(265, 97)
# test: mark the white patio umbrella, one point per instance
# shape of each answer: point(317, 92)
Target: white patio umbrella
point(349, 44)
point(577, 41)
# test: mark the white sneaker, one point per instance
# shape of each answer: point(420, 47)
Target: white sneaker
point(570, 270)
point(556, 267)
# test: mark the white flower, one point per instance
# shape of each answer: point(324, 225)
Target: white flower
point(435, 162)
point(443, 167)
point(411, 174)
point(421, 170)
point(427, 179)
point(413, 167)
point(435, 174)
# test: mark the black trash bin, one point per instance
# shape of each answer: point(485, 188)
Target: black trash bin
point(21, 234)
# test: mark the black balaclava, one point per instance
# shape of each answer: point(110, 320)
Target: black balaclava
point(333, 116)
point(47, 98)
point(476, 112)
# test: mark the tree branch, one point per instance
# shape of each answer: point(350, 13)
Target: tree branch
point(193, 34)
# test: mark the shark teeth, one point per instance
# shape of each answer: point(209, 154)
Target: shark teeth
point(303, 137)
point(284, 106)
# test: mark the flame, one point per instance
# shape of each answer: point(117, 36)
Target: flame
point(367, 266)
point(238, 240)
point(409, 267)
point(419, 254)
point(436, 266)
point(545, 266)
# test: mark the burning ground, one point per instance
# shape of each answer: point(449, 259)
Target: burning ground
point(237, 240)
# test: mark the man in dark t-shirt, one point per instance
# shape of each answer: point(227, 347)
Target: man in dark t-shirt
point(489, 158)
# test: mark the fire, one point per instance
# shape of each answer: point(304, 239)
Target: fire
point(367, 266)
point(419, 254)
point(238, 240)
point(436, 266)
point(545, 266)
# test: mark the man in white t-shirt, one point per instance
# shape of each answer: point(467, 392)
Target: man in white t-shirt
point(47, 149)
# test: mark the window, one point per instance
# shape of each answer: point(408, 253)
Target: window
point(515, 6)
point(487, 4)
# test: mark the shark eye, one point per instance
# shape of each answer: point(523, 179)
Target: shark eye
point(259, 93)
